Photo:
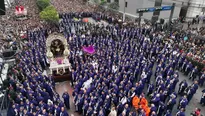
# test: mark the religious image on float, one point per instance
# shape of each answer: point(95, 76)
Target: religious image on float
point(57, 48)
point(58, 53)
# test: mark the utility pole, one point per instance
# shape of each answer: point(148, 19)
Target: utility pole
point(123, 20)
point(171, 15)
point(155, 17)
point(140, 17)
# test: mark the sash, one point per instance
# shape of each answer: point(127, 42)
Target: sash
point(169, 102)
point(178, 113)
point(158, 109)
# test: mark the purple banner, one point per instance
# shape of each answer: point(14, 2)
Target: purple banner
point(90, 49)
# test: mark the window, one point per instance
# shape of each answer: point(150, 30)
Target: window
point(108, 1)
point(126, 4)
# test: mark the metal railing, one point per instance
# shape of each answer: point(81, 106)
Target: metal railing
point(4, 101)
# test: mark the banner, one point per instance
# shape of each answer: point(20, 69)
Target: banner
point(90, 49)
point(20, 10)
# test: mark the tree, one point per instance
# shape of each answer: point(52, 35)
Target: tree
point(114, 5)
point(50, 15)
point(42, 4)
point(103, 2)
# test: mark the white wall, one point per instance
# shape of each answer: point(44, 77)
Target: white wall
point(163, 14)
point(193, 11)
point(148, 4)
point(132, 6)
point(177, 9)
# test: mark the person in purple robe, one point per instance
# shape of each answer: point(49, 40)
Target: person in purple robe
point(63, 112)
point(66, 98)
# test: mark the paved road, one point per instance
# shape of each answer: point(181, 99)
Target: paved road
point(195, 100)
point(194, 103)
point(185, 25)
point(65, 86)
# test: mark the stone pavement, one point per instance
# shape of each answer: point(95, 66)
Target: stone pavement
point(61, 88)
point(201, 24)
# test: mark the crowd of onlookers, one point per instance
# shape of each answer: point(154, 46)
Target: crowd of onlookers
point(83, 6)
point(33, 87)
point(190, 44)
point(72, 6)
point(32, 20)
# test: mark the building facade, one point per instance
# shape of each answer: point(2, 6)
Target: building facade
point(183, 8)
point(196, 7)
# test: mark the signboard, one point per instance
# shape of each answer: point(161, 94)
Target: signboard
point(161, 8)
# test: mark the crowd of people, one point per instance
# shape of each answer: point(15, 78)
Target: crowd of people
point(9, 19)
point(83, 6)
point(105, 83)
point(194, 45)
point(112, 80)
point(80, 6)
point(33, 91)
point(122, 67)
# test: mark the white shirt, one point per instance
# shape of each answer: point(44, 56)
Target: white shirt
point(123, 100)
point(113, 113)
point(114, 68)
point(87, 83)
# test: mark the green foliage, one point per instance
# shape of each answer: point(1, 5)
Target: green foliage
point(114, 5)
point(42, 4)
point(103, 2)
point(50, 15)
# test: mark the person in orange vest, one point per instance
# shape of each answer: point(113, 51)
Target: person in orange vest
point(143, 101)
point(135, 102)
point(147, 110)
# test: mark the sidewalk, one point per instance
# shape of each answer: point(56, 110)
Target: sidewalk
point(201, 24)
